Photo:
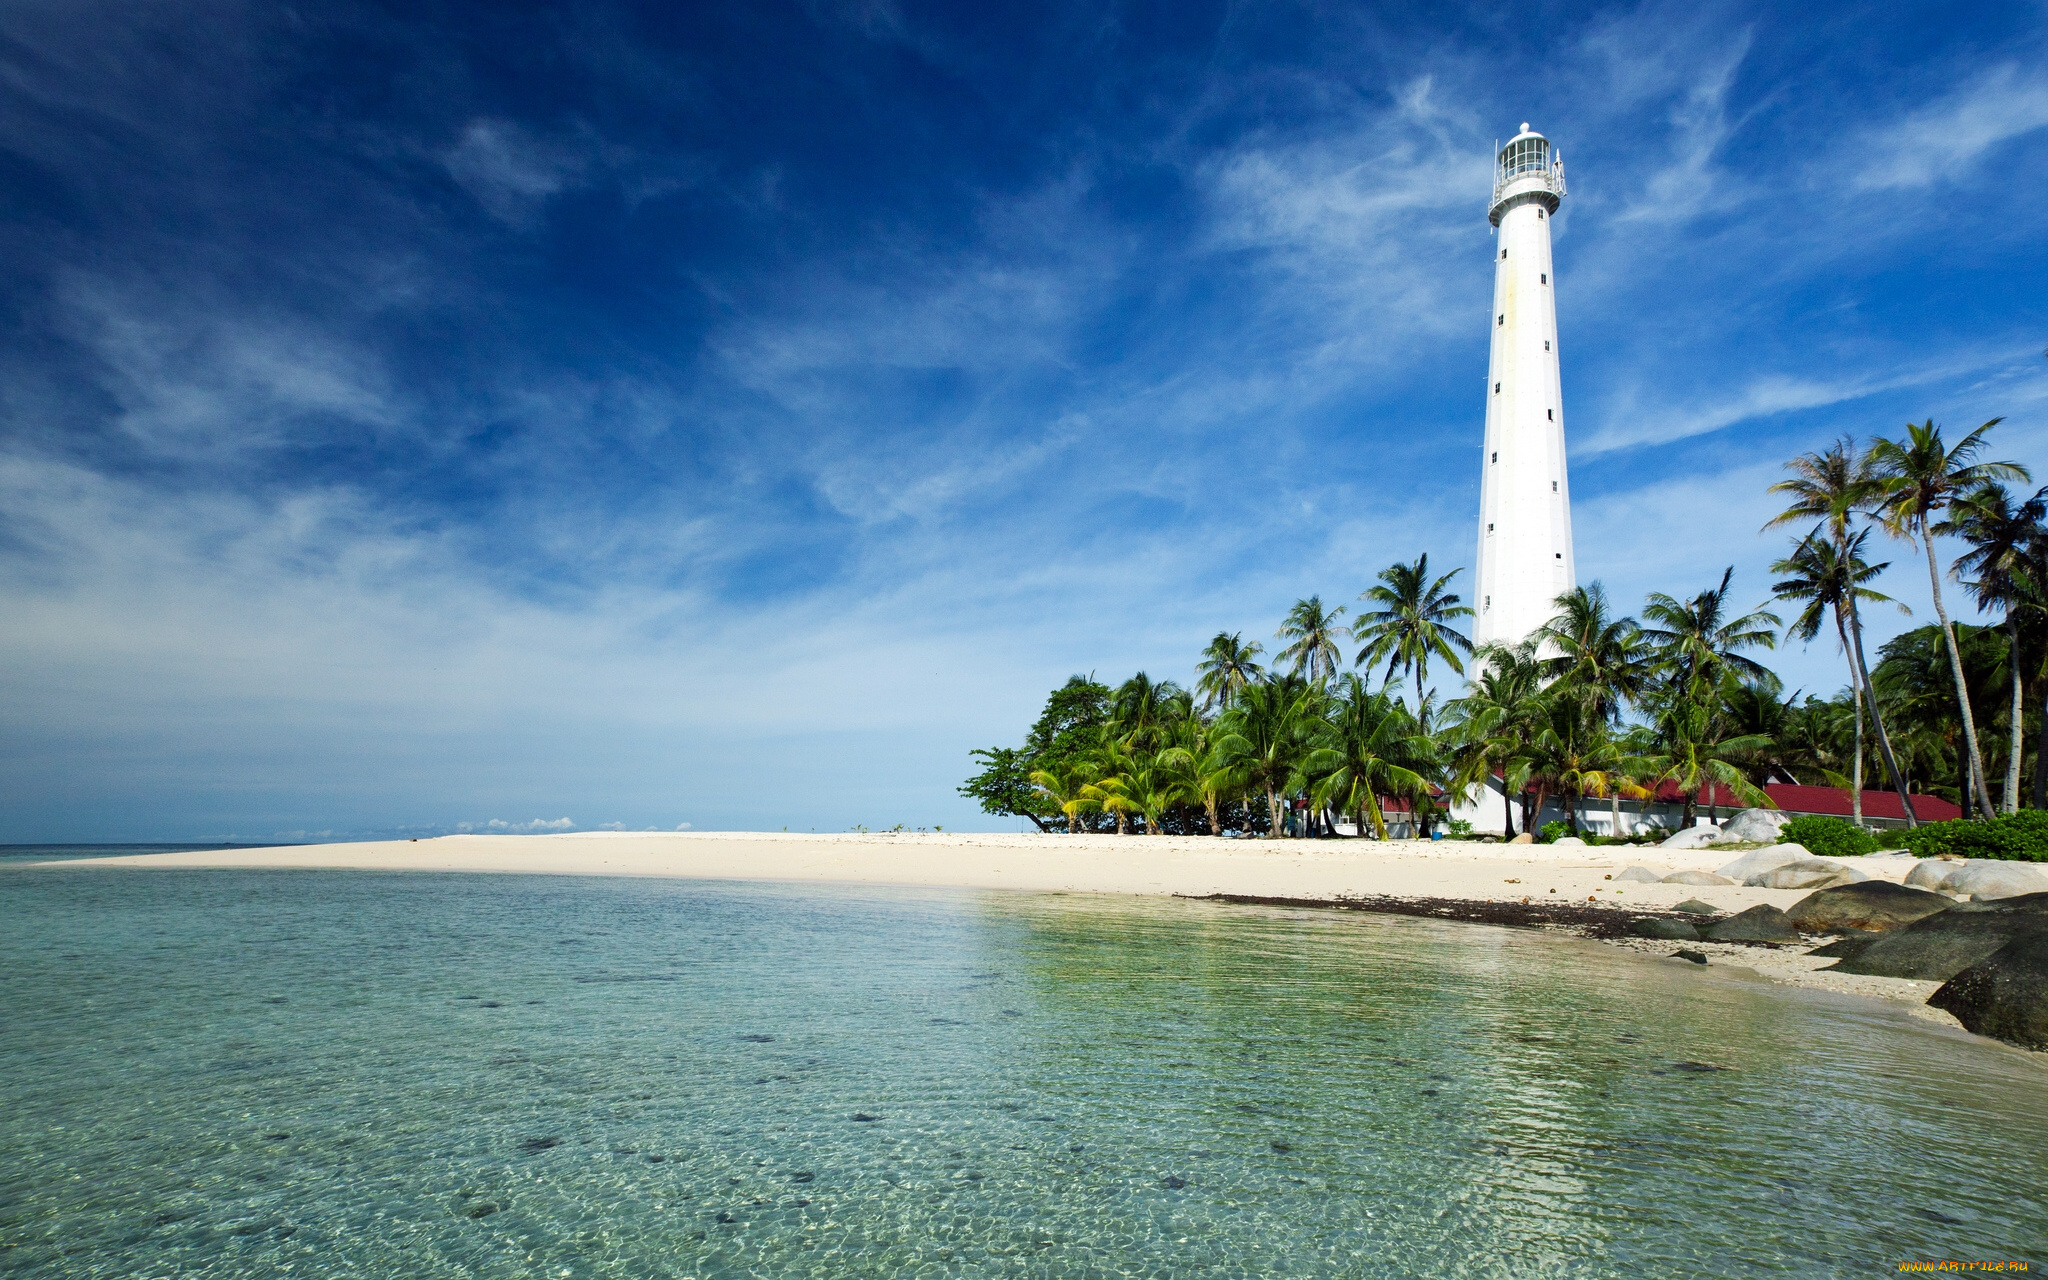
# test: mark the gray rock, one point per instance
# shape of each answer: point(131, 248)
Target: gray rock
point(1669, 930)
point(1874, 905)
point(1807, 873)
point(1758, 825)
point(1761, 923)
point(1933, 873)
point(1692, 838)
point(1944, 944)
point(1986, 879)
point(1694, 906)
point(2004, 995)
point(1758, 861)
point(1640, 875)
point(1567, 842)
point(1695, 877)
point(1695, 957)
point(1851, 943)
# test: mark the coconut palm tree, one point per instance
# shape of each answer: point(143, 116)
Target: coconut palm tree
point(1829, 488)
point(2005, 538)
point(1575, 754)
point(1202, 770)
point(1601, 658)
point(1313, 628)
point(1266, 734)
point(1142, 708)
point(1492, 724)
point(1918, 477)
point(1825, 575)
point(1412, 624)
point(1227, 666)
point(1374, 748)
point(1695, 640)
point(1069, 787)
point(1693, 753)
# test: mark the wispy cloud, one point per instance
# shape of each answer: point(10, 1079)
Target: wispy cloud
point(1949, 136)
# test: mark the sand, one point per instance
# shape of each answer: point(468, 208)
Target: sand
point(1185, 865)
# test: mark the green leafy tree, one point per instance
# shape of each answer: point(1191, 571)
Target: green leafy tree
point(1004, 787)
point(1917, 478)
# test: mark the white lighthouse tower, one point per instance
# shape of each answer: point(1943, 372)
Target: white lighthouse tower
point(1525, 512)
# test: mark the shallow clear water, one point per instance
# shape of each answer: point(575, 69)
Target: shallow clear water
point(233, 1073)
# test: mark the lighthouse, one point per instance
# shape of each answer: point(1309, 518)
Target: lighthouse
point(1525, 510)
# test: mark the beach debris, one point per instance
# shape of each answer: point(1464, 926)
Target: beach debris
point(1511, 881)
point(1640, 875)
point(1761, 923)
point(1872, 905)
point(1665, 930)
point(1696, 957)
point(1694, 877)
point(1693, 906)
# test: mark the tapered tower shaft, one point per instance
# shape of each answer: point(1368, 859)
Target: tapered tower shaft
point(1525, 520)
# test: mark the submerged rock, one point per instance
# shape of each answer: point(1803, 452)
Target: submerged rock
point(1874, 905)
point(1695, 877)
point(1172, 1183)
point(1640, 875)
point(2004, 995)
point(1761, 923)
point(1669, 930)
point(1938, 947)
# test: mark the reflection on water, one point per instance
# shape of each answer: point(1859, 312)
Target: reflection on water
point(223, 1073)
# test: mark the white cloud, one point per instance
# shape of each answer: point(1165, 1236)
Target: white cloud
point(1944, 139)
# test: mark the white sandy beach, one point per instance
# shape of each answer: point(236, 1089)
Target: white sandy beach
point(1186, 865)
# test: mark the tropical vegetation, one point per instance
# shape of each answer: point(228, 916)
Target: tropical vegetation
point(1599, 707)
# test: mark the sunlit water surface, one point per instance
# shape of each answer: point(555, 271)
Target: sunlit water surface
point(316, 1073)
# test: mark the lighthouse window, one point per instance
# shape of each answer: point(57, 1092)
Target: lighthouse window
point(1489, 602)
point(1496, 455)
point(1560, 555)
point(1539, 213)
point(1546, 344)
point(1496, 388)
point(1503, 255)
point(1552, 413)
point(1503, 319)
point(1489, 528)
point(1553, 486)
point(1545, 277)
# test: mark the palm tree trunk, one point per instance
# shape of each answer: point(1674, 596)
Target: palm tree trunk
point(1856, 686)
point(1273, 812)
point(1860, 673)
point(2041, 763)
point(2012, 763)
point(1507, 803)
point(1975, 761)
point(1614, 811)
point(1372, 806)
point(1209, 804)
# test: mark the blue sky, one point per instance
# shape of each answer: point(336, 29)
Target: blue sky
point(437, 414)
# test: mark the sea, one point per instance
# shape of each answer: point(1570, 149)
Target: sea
point(318, 1073)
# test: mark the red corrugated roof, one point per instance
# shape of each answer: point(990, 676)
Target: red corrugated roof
point(1832, 801)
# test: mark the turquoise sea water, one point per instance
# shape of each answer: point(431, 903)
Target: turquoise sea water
point(219, 1073)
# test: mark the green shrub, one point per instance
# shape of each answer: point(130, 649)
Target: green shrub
point(2016, 837)
point(1551, 832)
point(1459, 827)
point(1829, 837)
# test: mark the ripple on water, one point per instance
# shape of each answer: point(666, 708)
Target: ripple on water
point(745, 1080)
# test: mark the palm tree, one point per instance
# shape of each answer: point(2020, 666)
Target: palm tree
point(1696, 639)
point(1313, 629)
point(1265, 736)
point(1574, 753)
point(1069, 785)
point(1601, 658)
point(1142, 708)
point(1492, 724)
point(2004, 539)
point(1829, 488)
point(1202, 770)
point(1374, 748)
point(1227, 666)
point(1412, 623)
point(1693, 754)
point(1917, 478)
point(1826, 576)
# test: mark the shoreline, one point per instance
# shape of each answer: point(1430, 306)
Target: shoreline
point(1524, 886)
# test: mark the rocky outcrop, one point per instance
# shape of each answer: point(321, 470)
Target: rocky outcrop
point(1938, 947)
point(1987, 880)
point(1875, 905)
point(1933, 873)
point(1695, 877)
point(1851, 943)
point(2004, 995)
point(1761, 923)
point(1692, 838)
point(1640, 875)
point(1760, 826)
point(1694, 907)
point(1806, 873)
point(1669, 930)
point(1758, 861)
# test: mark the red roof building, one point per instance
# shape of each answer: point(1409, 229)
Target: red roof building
point(1830, 801)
